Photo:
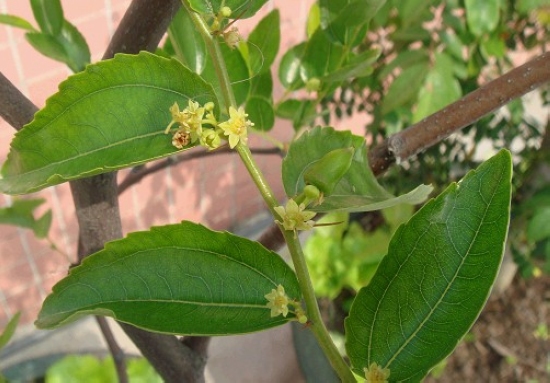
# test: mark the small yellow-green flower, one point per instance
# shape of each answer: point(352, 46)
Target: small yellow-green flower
point(236, 128)
point(210, 138)
point(376, 374)
point(278, 301)
point(295, 217)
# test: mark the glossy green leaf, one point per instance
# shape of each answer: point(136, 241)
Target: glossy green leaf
point(290, 67)
point(264, 42)
point(16, 21)
point(404, 89)
point(242, 9)
point(538, 227)
point(69, 46)
point(20, 214)
point(358, 190)
point(260, 112)
point(436, 277)
point(9, 330)
point(48, 15)
point(440, 88)
point(178, 279)
point(187, 42)
point(109, 117)
point(404, 60)
point(482, 16)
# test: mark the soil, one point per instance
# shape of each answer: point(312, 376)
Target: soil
point(504, 344)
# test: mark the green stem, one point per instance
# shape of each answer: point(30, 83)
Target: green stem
point(312, 308)
point(215, 54)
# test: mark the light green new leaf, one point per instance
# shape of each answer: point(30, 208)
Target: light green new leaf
point(48, 15)
point(20, 213)
point(16, 21)
point(436, 277)
point(109, 117)
point(9, 330)
point(177, 279)
point(69, 46)
point(482, 16)
point(358, 190)
point(264, 42)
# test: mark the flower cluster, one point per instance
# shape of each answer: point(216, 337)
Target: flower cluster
point(278, 302)
point(191, 120)
point(376, 374)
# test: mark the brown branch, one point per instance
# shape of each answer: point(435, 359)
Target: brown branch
point(15, 108)
point(466, 111)
point(141, 172)
point(114, 349)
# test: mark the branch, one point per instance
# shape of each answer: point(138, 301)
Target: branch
point(114, 348)
point(143, 171)
point(15, 108)
point(464, 112)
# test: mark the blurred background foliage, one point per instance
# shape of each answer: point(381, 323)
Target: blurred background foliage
point(431, 53)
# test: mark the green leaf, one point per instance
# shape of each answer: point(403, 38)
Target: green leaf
point(109, 117)
point(20, 213)
point(404, 89)
point(48, 15)
point(414, 11)
point(264, 42)
point(436, 277)
point(187, 42)
point(16, 21)
point(313, 19)
point(177, 279)
point(482, 16)
point(241, 9)
point(261, 85)
point(290, 67)
point(348, 27)
point(538, 227)
point(47, 45)
point(9, 330)
point(260, 112)
point(81, 368)
point(359, 66)
point(238, 74)
point(321, 56)
point(69, 46)
point(440, 88)
point(301, 112)
point(358, 190)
